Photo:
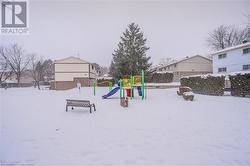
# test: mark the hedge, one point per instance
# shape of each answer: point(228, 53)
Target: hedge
point(240, 85)
point(105, 82)
point(160, 78)
point(208, 84)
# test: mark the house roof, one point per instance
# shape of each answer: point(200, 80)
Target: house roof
point(184, 59)
point(71, 59)
point(232, 48)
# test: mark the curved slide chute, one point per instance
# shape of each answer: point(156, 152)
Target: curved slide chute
point(112, 92)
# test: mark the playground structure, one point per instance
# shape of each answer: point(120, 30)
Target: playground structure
point(128, 85)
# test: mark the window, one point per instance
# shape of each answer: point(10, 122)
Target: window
point(174, 65)
point(92, 67)
point(246, 67)
point(246, 50)
point(221, 56)
point(222, 69)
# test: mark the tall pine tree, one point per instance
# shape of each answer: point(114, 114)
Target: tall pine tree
point(130, 56)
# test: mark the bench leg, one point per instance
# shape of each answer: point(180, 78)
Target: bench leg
point(66, 108)
point(90, 108)
point(94, 107)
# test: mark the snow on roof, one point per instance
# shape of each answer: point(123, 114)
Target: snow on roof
point(10, 81)
point(183, 59)
point(232, 48)
point(105, 78)
point(153, 68)
point(163, 72)
point(240, 73)
point(5, 70)
point(219, 74)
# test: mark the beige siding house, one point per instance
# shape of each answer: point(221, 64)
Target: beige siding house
point(188, 66)
point(71, 71)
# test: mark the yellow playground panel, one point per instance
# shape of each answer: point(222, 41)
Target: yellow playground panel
point(126, 83)
point(136, 81)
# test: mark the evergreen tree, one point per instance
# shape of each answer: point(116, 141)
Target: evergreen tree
point(130, 56)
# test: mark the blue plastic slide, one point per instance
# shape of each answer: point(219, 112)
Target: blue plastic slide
point(139, 91)
point(113, 91)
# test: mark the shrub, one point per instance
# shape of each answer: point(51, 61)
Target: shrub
point(240, 84)
point(208, 84)
point(160, 78)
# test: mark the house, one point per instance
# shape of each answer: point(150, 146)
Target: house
point(188, 66)
point(26, 79)
point(72, 71)
point(232, 59)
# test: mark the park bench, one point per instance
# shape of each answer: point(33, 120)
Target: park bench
point(79, 103)
point(188, 96)
point(183, 89)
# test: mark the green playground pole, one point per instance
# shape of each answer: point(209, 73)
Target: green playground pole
point(133, 83)
point(131, 86)
point(133, 80)
point(94, 86)
point(120, 88)
point(142, 84)
point(110, 86)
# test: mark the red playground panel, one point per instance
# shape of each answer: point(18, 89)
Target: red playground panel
point(128, 92)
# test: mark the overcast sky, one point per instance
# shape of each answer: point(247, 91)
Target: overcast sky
point(92, 29)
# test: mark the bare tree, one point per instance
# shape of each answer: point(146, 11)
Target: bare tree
point(248, 27)
point(239, 35)
point(216, 39)
point(17, 60)
point(37, 69)
point(166, 61)
point(101, 69)
point(226, 36)
point(5, 71)
point(104, 70)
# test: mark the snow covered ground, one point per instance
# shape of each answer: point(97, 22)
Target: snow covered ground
point(162, 130)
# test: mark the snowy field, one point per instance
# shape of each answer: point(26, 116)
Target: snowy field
point(162, 130)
